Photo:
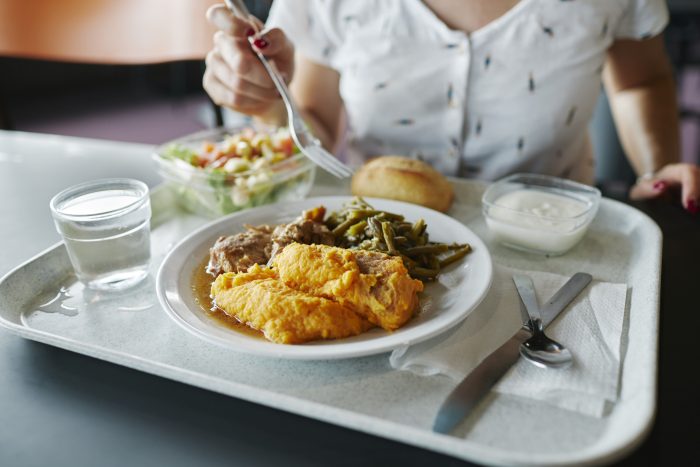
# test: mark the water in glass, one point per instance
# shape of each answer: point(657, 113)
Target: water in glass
point(106, 229)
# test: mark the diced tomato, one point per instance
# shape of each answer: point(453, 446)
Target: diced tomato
point(286, 146)
point(218, 154)
point(220, 162)
point(199, 161)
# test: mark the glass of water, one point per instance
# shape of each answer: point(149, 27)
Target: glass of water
point(105, 225)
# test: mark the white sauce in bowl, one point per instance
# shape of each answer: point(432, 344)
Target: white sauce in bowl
point(538, 220)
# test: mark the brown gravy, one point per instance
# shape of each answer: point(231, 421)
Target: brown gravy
point(201, 288)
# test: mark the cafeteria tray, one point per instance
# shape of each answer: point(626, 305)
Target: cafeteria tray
point(42, 300)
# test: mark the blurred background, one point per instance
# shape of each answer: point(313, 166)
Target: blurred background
point(135, 82)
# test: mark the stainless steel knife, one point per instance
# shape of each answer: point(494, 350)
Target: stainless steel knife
point(479, 382)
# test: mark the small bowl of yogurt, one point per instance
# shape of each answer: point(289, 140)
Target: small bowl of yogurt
point(539, 213)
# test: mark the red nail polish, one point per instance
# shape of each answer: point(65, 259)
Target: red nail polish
point(658, 186)
point(260, 43)
point(250, 32)
point(692, 207)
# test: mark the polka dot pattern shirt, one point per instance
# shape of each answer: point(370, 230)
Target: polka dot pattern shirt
point(515, 95)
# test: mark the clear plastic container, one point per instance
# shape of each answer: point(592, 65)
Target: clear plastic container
point(539, 213)
point(213, 194)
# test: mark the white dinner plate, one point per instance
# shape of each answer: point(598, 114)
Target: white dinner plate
point(444, 303)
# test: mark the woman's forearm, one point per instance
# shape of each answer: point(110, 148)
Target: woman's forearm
point(646, 117)
point(319, 129)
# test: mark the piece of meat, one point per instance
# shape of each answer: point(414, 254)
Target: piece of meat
point(236, 253)
point(257, 245)
point(285, 315)
point(307, 229)
point(375, 285)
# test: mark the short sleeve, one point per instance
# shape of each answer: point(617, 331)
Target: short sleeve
point(304, 22)
point(642, 19)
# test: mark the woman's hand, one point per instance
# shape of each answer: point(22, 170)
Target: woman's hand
point(234, 76)
point(683, 176)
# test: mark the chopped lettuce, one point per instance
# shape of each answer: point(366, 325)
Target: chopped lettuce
point(178, 151)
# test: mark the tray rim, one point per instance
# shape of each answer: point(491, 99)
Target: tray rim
point(462, 448)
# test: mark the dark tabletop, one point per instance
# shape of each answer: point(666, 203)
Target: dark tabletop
point(674, 438)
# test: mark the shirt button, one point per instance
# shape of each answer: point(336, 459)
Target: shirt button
point(464, 46)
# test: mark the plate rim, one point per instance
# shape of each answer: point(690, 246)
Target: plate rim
point(303, 352)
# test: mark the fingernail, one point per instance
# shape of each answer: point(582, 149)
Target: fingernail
point(260, 43)
point(692, 207)
point(658, 186)
point(250, 32)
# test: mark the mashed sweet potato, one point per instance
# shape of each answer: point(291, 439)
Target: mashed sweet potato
point(320, 292)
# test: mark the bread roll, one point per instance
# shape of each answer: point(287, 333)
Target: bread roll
point(403, 179)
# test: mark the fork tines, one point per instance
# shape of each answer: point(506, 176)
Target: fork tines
point(327, 161)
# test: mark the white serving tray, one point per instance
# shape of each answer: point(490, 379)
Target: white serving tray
point(41, 300)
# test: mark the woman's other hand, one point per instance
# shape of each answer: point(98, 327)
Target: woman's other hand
point(685, 177)
point(234, 76)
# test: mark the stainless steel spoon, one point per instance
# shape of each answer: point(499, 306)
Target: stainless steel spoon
point(539, 349)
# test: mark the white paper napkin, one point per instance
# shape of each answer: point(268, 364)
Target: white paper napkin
point(591, 327)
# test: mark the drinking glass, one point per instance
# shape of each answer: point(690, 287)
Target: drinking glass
point(105, 225)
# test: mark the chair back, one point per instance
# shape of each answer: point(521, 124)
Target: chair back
point(106, 31)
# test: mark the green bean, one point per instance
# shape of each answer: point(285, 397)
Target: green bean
point(359, 225)
point(408, 262)
point(401, 241)
point(424, 261)
point(352, 219)
point(388, 216)
point(457, 255)
point(430, 249)
point(363, 213)
point(343, 226)
point(434, 262)
point(403, 227)
point(359, 201)
point(356, 229)
point(425, 272)
point(372, 244)
point(418, 228)
point(389, 237)
point(375, 227)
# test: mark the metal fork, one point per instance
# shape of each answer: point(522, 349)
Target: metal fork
point(307, 143)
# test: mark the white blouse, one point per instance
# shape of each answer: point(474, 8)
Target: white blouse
point(513, 96)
